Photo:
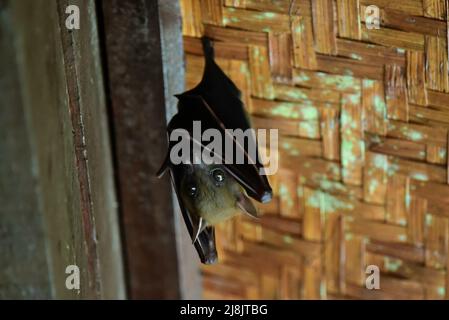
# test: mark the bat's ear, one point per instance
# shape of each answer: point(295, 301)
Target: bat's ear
point(246, 205)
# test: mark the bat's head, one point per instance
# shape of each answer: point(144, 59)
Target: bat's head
point(210, 193)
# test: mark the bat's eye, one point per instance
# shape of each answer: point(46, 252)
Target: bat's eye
point(219, 175)
point(192, 190)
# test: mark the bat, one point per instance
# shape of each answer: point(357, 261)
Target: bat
point(211, 193)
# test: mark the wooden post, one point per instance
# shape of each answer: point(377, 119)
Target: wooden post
point(62, 88)
point(23, 263)
point(144, 62)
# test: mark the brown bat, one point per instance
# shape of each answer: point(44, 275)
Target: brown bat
point(211, 193)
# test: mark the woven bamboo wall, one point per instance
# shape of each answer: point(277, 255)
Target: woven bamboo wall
point(364, 117)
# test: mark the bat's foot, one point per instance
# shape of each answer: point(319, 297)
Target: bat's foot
point(208, 47)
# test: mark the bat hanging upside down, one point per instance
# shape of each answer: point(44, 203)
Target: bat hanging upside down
point(211, 193)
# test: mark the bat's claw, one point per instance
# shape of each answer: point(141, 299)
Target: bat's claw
point(266, 197)
point(212, 258)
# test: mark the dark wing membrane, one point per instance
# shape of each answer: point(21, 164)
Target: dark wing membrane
point(222, 99)
point(195, 108)
point(205, 243)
